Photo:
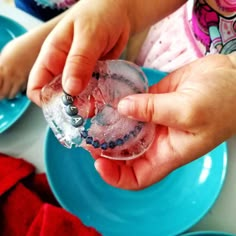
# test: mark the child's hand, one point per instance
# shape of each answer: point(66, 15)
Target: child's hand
point(91, 30)
point(194, 109)
point(76, 43)
point(13, 76)
point(18, 57)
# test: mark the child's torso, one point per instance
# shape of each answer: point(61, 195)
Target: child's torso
point(213, 24)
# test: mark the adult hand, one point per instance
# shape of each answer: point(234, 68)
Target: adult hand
point(194, 111)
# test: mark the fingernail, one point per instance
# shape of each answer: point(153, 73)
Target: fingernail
point(73, 86)
point(125, 106)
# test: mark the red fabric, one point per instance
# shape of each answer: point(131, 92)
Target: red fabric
point(18, 210)
point(27, 206)
point(39, 185)
point(11, 171)
point(64, 223)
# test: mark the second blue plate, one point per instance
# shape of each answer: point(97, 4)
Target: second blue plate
point(11, 110)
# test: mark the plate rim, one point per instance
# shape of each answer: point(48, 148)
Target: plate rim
point(25, 106)
point(12, 21)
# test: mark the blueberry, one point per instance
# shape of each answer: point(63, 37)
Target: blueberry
point(89, 140)
point(112, 144)
point(119, 142)
point(138, 128)
point(104, 146)
point(135, 131)
point(84, 134)
point(96, 144)
point(126, 137)
point(132, 133)
point(96, 75)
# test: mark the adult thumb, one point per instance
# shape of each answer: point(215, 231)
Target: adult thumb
point(164, 109)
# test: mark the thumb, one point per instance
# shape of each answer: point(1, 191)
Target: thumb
point(164, 109)
point(80, 63)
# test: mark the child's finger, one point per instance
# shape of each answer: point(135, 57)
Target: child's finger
point(81, 60)
point(5, 89)
point(50, 61)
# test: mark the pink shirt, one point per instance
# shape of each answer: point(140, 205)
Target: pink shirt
point(191, 32)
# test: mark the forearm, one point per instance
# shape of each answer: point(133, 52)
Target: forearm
point(144, 13)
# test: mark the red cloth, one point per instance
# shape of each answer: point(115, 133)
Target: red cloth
point(64, 223)
point(27, 206)
point(12, 171)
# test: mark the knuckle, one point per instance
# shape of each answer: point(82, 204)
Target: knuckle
point(150, 111)
point(79, 60)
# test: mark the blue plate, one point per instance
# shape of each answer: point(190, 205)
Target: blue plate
point(11, 110)
point(166, 208)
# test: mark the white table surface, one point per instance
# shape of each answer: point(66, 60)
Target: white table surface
point(26, 139)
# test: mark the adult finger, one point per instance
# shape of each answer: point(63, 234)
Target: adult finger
point(169, 109)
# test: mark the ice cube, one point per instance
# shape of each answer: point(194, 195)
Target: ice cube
point(91, 119)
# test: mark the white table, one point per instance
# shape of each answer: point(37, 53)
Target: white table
point(25, 139)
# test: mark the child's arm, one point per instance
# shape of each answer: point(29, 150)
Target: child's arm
point(18, 56)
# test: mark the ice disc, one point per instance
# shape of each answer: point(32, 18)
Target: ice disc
point(91, 119)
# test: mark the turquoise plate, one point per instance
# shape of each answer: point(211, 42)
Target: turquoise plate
point(167, 208)
point(11, 110)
